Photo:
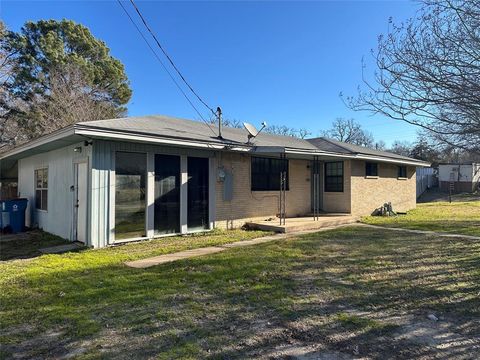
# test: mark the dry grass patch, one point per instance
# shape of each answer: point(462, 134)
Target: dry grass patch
point(456, 217)
point(351, 292)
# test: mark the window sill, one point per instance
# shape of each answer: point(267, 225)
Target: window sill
point(402, 178)
point(371, 177)
point(41, 211)
point(333, 192)
point(264, 191)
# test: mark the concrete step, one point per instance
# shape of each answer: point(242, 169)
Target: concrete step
point(301, 224)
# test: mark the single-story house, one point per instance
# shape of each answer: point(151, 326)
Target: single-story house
point(459, 177)
point(110, 181)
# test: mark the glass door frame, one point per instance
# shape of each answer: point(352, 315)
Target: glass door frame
point(150, 191)
point(113, 184)
point(153, 207)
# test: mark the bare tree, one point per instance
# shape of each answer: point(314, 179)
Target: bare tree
point(428, 73)
point(233, 123)
point(349, 131)
point(303, 133)
point(283, 130)
point(403, 148)
point(68, 101)
point(280, 130)
point(380, 145)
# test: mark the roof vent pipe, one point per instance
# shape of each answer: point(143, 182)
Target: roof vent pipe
point(219, 119)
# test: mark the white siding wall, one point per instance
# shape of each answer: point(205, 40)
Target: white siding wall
point(463, 173)
point(476, 173)
point(58, 219)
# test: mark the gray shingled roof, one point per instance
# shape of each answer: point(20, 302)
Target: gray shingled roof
point(176, 128)
point(170, 127)
point(326, 144)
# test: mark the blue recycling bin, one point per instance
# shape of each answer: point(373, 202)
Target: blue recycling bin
point(16, 211)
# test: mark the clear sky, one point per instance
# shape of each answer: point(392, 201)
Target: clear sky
point(280, 62)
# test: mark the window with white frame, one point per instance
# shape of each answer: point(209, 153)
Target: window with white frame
point(41, 189)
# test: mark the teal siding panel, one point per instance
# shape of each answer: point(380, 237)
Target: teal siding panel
point(101, 187)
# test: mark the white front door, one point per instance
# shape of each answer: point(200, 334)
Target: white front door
point(81, 201)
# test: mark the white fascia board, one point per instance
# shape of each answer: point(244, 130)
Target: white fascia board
point(56, 135)
point(359, 157)
point(105, 134)
point(268, 149)
point(392, 160)
point(317, 153)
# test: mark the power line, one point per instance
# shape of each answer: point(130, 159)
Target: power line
point(168, 57)
point(165, 67)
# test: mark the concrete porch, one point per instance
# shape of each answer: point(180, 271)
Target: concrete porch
point(303, 223)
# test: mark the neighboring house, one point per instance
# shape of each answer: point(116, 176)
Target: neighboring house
point(109, 181)
point(464, 177)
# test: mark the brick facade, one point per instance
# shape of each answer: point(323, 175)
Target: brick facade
point(247, 205)
point(369, 194)
point(360, 196)
point(339, 202)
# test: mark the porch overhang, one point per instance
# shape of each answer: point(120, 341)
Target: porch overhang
point(324, 155)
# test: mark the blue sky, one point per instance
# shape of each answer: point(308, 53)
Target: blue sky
point(280, 62)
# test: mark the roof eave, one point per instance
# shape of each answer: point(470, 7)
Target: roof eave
point(413, 162)
point(359, 156)
point(93, 132)
point(155, 139)
point(56, 135)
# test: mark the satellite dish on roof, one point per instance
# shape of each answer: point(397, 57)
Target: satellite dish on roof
point(252, 130)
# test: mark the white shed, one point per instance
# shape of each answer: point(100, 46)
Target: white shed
point(464, 177)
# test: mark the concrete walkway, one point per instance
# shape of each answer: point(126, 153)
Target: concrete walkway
point(162, 259)
point(427, 232)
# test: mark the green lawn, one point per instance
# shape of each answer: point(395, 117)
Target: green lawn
point(347, 292)
point(27, 247)
point(456, 217)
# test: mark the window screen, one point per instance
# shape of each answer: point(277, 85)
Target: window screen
point(334, 176)
point(402, 171)
point(266, 173)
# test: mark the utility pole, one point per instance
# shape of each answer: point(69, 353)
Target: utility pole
point(219, 119)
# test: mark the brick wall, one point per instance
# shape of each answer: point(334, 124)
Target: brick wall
point(369, 194)
point(361, 195)
point(247, 205)
point(339, 201)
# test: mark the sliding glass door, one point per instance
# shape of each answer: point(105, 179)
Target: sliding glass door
point(167, 194)
point(130, 180)
point(197, 193)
